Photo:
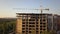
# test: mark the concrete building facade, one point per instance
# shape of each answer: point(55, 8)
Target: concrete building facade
point(28, 23)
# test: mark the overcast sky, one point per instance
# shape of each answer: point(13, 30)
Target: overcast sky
point(6, 6)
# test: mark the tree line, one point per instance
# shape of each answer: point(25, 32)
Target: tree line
point(7, 26)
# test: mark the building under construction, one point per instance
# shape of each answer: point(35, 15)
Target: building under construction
point(28, 23)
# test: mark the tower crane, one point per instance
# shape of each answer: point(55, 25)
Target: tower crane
point(31, 9)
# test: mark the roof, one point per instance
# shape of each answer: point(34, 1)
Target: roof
point(32, 13)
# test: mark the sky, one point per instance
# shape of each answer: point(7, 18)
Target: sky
point(6, 7)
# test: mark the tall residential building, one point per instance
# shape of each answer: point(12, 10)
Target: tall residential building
point(28, 23)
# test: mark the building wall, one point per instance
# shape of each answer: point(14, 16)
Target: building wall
point(58, 24)
point(19, 26)
point(55, 21)
point(31, 23)
point(35, 23)
point(50, 22)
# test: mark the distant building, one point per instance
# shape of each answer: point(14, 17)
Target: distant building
point(28, 23)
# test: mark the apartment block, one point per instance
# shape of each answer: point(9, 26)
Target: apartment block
point(34, 23)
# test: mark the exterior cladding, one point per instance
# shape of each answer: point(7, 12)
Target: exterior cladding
point(19, 25)
point(55, 21)
point(50, 21)
point(58, 24)
point(28, 23)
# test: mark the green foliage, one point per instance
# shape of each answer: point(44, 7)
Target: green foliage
point(7, 26)
point(1, 29)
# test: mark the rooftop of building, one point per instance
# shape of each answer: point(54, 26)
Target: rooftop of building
point(33, 13)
